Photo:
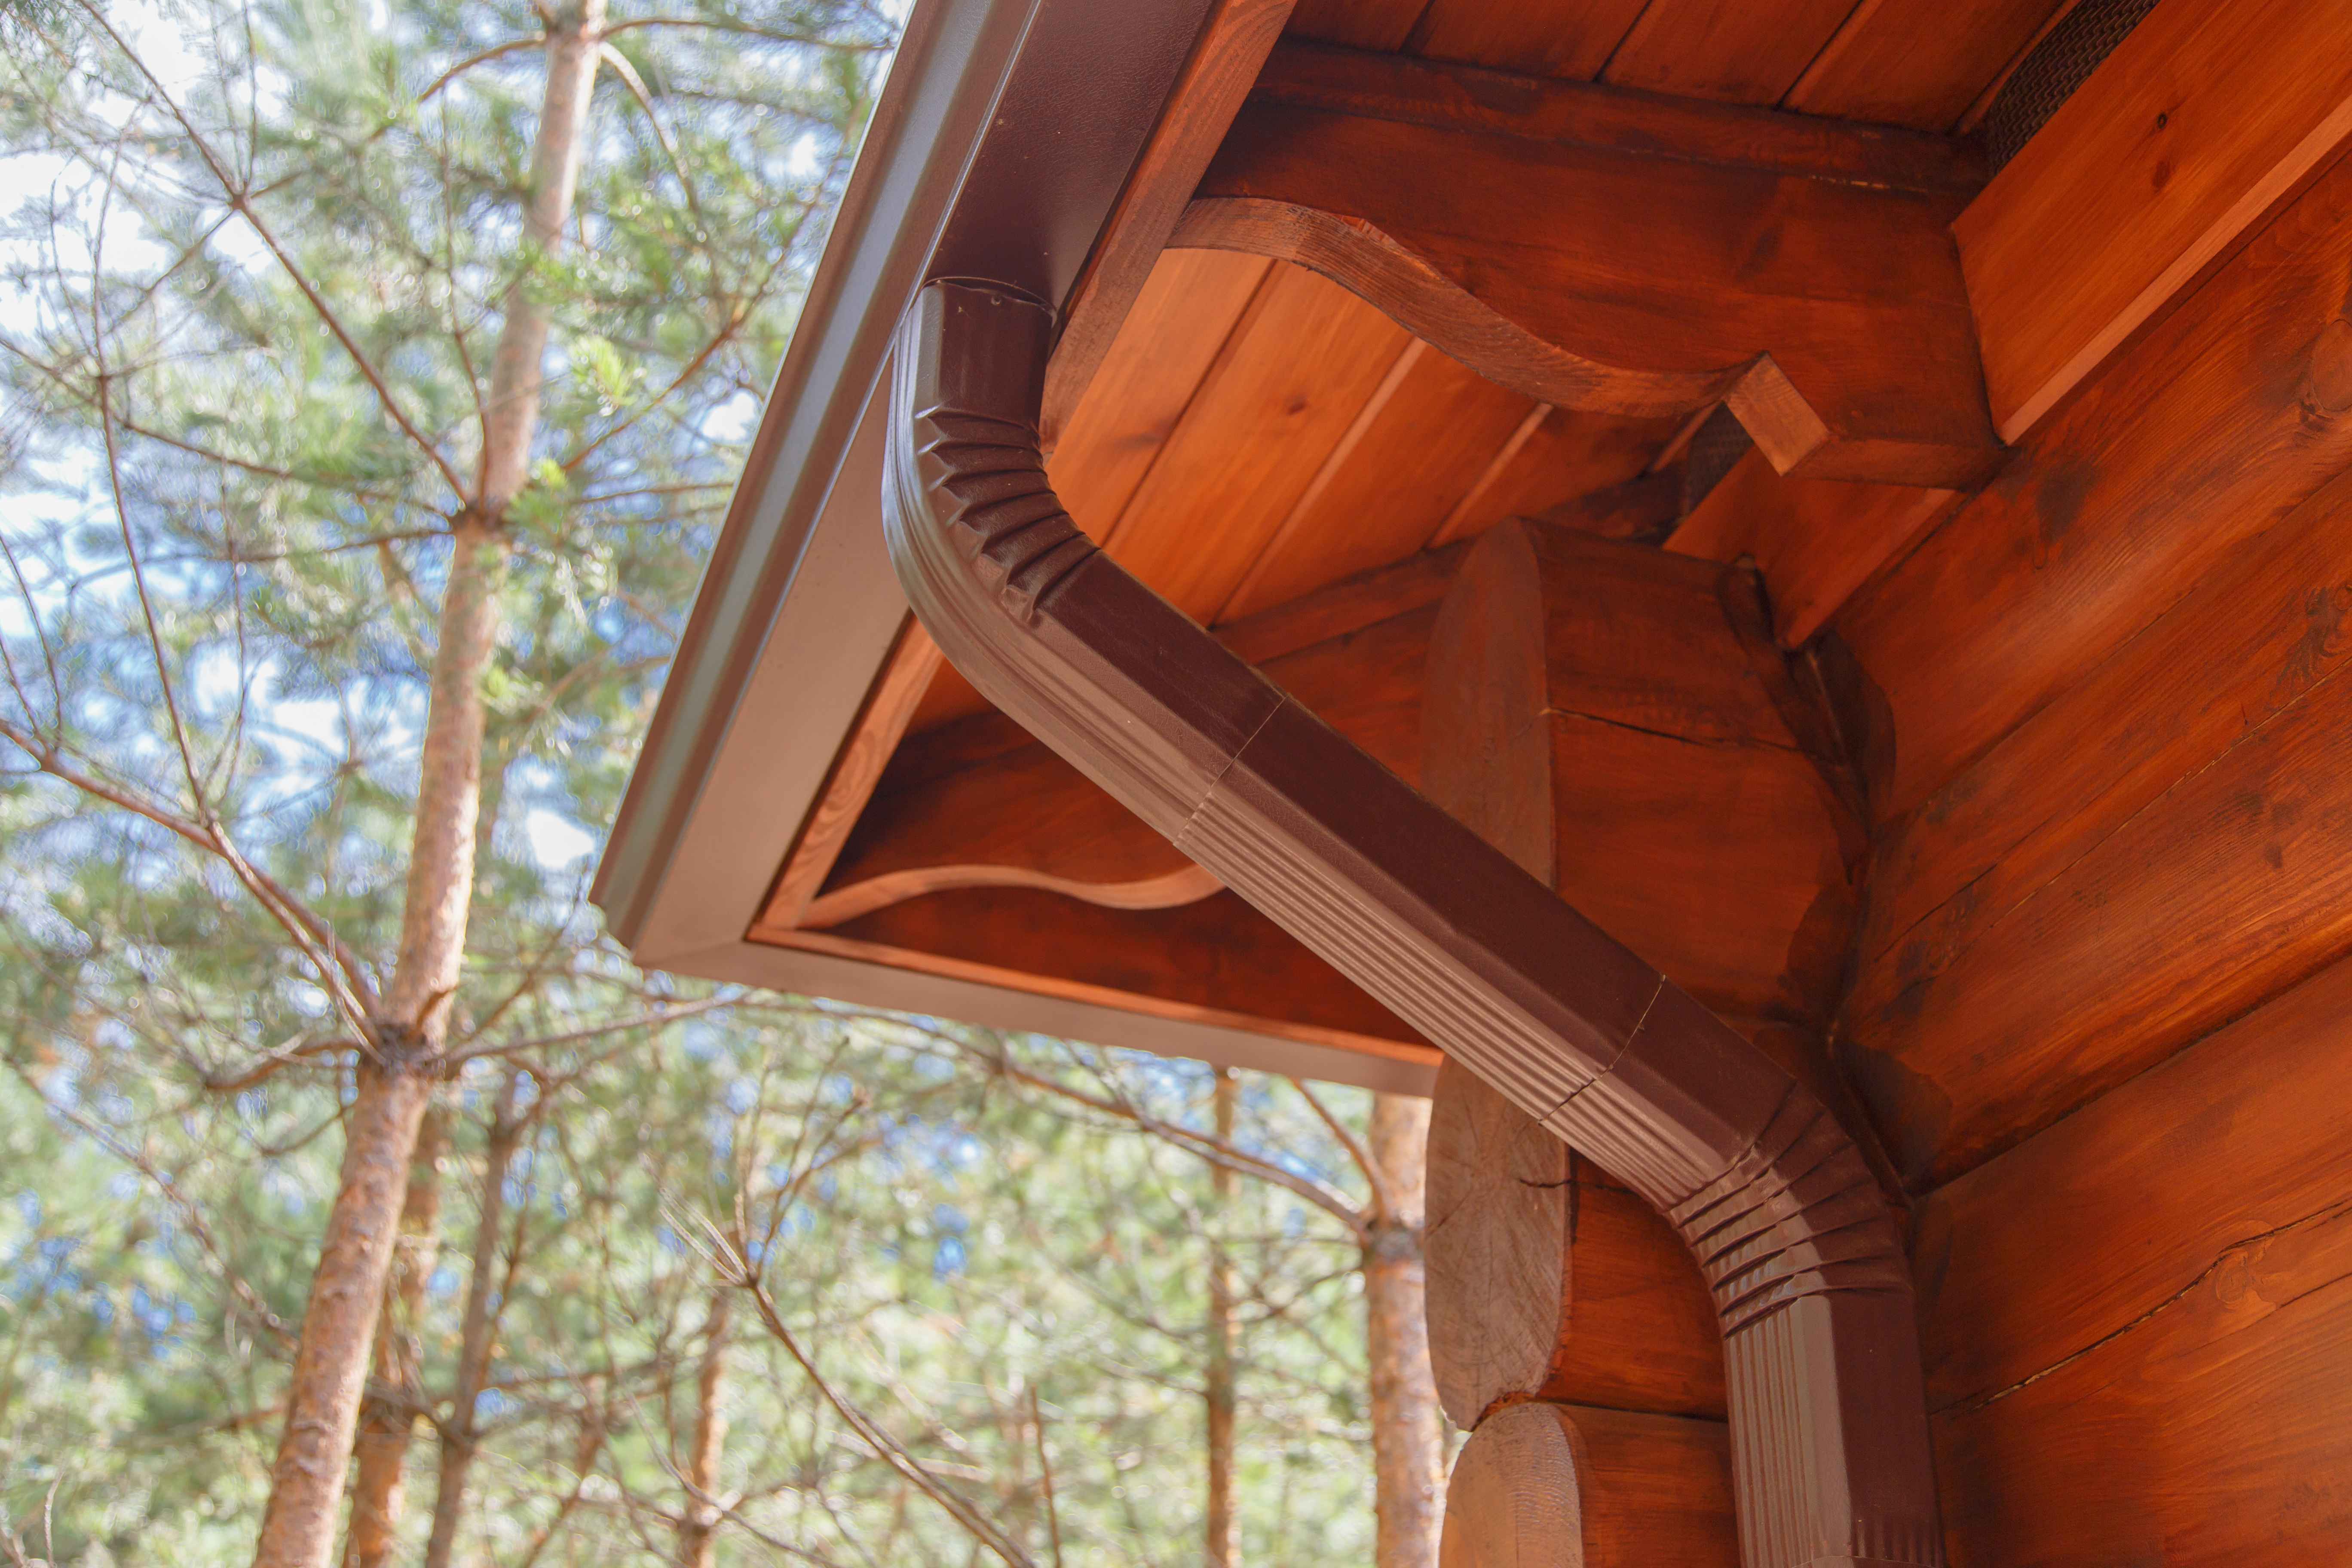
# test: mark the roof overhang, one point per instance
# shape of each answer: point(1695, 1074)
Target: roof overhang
point(1000, 118)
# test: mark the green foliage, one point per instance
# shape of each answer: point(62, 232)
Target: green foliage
point(223, 562)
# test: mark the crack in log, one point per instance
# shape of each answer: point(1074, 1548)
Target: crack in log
point(2331, 1211)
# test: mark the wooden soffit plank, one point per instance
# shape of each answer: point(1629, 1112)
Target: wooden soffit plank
point(2205, 119)
point(1217, 77)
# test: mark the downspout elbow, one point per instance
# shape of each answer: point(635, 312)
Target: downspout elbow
point(1829, 1441)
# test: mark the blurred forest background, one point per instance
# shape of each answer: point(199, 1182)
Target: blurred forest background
point(375, 375)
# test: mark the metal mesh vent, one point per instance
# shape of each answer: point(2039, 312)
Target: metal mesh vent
point(2060, 63)
point(1718, 442)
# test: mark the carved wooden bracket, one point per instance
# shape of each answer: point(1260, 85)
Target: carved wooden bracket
point(1623, 252)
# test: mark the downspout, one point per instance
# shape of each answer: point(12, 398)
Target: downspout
point(1829, 1432)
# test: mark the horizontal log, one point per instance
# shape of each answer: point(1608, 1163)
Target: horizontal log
point(2218, 423)
point(2209, 114)
point(1606, 724)
point(1829, 312)
point(2217, 1430)
point(2096, 1222)
point(2233, 884)
point(1443, 96)
point(1557, 1485)
point(2256, 635)
point(1549, 1280)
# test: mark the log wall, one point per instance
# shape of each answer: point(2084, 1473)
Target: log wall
point(2100, 1001)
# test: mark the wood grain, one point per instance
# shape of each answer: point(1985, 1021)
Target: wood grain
point(1735, 50)
point(1226, 60)
point(1027, 812)
point(1359, 23)
point(1557, 458)
point(1921, 66)
point(1128, 977)
point(1816, 541)
point(1299, 370)
point(1424, 449)
point(1547, 1280)
point(2214, 1432)
point(2235, 883)
point(1830, 314)
point(1567, 115)
point(1617, 721)
point(1556, 1486)
point(1572, 43)
point(2220, 422)
point(1417, 581)
point(1216, 955)
point(2086, 1228)
point(988, 806)
point(1180, 325)
point(2150, 172)
point(2259, 634)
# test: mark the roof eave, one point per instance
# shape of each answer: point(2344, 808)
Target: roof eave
point(1001, 119)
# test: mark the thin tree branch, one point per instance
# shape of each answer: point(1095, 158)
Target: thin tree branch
point(1384, 1198)
point(977, 1524)
point(651, 1020)
point(352, 990)
point(513, 46)
point(240, 200)
point(190, 1217)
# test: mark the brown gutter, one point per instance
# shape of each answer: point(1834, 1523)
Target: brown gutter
point(1828, 1413)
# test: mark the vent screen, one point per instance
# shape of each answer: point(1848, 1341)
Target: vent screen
point(2060, 63)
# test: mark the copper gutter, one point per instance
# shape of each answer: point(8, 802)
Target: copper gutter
point(1830, 1446)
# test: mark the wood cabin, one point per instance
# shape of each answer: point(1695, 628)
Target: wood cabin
point(1852, 499)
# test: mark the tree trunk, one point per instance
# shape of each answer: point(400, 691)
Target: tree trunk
point(697, 1530)
point(379, 1493)
point(395, 1082)
point(1408, 1443)
point(1223, 1393)
point(473, 1343)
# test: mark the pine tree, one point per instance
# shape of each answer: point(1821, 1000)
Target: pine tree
point(294, 314)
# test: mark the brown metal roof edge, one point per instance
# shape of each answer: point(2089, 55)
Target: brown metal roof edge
point(1001, 140)
point(1830, 1459)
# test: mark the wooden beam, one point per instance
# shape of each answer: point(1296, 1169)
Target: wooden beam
point(2204, 121)
point(1232, 47)
point(1799, 270)
point(1610, 717)
point(1815, 540)
point(2200, 437)
point(1559, 1486)
point(1547, 1280)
